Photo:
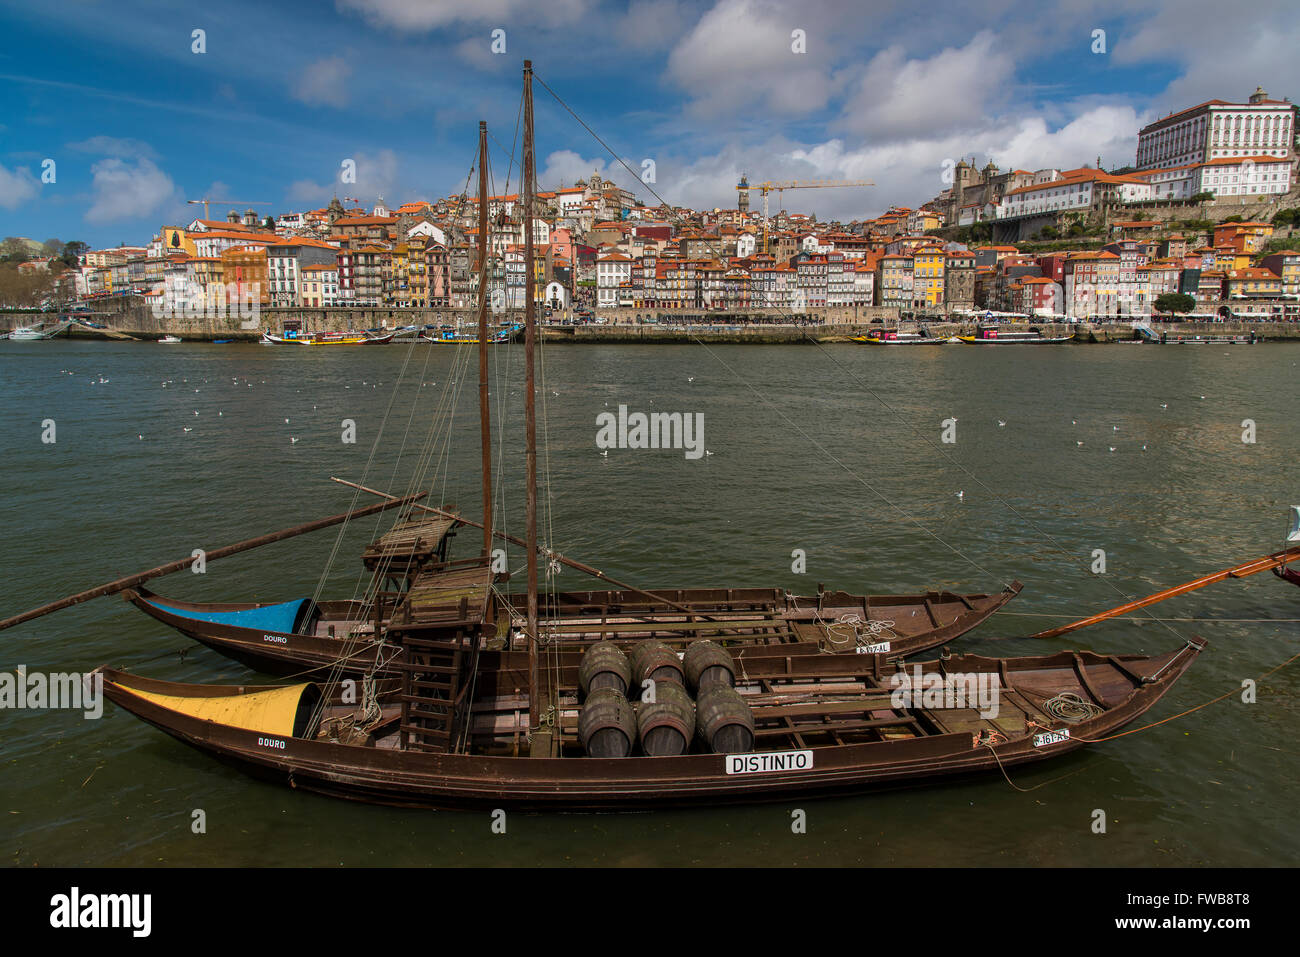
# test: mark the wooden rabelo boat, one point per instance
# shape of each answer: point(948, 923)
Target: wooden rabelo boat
point(411, 562)
point(299, 637)
point(821, 725)
point(539, 714)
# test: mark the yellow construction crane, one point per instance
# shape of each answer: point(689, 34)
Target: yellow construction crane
point(780, 186)
point(229, 202)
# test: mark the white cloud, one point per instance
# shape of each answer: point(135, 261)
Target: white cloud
point(651, 24)
point(566, 167)
point(740, 56)
point(1106, 131)
point(323, 82)
point(376, 176)
point(432, 14)
point(16, 186)
point(905, 171)
point(129, 191)
point(954, 89)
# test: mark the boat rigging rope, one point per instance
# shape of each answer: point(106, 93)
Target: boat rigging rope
point(1070, 708)
point(369, 589)
point(875, 628)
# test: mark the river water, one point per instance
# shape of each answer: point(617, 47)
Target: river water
point(834, 450)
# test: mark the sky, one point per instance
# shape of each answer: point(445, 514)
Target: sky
point(114, 114)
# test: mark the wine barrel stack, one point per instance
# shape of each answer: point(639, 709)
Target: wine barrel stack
point(666, 722)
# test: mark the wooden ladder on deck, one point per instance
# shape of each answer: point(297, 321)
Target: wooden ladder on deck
point(433, 692)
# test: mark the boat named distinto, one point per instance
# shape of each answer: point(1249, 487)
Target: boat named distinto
point(819, 725)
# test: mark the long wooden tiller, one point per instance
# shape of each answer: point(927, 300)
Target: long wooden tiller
point(181, 563)
point(1252, 567)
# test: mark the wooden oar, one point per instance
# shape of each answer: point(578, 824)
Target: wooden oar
point(1275, 560)
point(572, 563)
point(132, 580)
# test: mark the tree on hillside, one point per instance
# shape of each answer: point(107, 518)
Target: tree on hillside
point(24, 290)
point(14, 250)
point(72, 252)
point(1178, 302)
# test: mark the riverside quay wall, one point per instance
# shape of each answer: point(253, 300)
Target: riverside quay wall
point(132, 317)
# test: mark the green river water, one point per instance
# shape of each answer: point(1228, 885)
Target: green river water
point(834, 450)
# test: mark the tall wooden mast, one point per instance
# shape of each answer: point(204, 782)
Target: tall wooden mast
point(530, 399)
point(485, 429)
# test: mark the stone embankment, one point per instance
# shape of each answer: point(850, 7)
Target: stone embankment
point(130, 317)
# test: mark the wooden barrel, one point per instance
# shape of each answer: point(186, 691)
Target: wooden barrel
point(604, 665)
point(725, 721)
point(655, 661)
point(667, 724)
point(706, 664)
point(606, 724)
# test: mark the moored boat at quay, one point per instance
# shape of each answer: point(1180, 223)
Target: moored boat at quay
point(892, 337)
point(995, 336)
point(454, 337)
point(327, 338)
point(1175, 339)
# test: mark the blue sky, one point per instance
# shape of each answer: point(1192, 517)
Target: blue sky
point(137, 122)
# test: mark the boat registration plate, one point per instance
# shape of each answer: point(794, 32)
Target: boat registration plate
point(1051, 737)
point(769, 761)
point(879, 648)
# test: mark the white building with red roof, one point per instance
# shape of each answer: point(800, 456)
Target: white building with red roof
point(1217, 129)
